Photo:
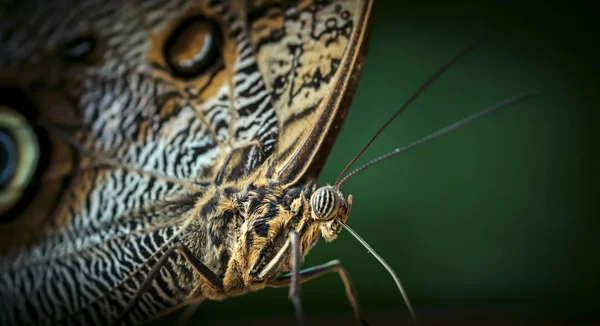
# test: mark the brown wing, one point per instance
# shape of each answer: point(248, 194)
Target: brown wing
point(120, 80)
point(311, 57)
point(138, 102)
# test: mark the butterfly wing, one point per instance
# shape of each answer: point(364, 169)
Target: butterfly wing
point(142, 135)
point(311, 58)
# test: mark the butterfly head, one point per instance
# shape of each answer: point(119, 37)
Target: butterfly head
point(329, 207)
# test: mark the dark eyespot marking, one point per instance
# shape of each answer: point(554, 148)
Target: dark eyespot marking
point(8, 157)
point(24, 152)
point(193, 47)
point(78, 49)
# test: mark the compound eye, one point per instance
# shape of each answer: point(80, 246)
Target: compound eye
point(325, 203)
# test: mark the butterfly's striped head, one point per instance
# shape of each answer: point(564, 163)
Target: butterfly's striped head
point(328, 206)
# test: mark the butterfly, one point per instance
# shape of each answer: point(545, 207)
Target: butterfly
point(162, 154)
point(171, 148)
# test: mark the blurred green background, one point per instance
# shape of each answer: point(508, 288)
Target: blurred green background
point(493, 222)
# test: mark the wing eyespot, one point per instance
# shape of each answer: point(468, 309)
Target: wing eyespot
point(19, 159)
point(26, 154)
point(193, 47)
point(79, 49)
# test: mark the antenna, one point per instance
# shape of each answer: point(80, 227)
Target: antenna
point(456, 125)
point(386, 265)
point(419, 91)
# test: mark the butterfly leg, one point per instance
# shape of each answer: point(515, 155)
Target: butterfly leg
point(178, 247)
point(320, 270)
point(295, 280)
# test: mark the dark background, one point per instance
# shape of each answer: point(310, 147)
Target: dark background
point(494, 222)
